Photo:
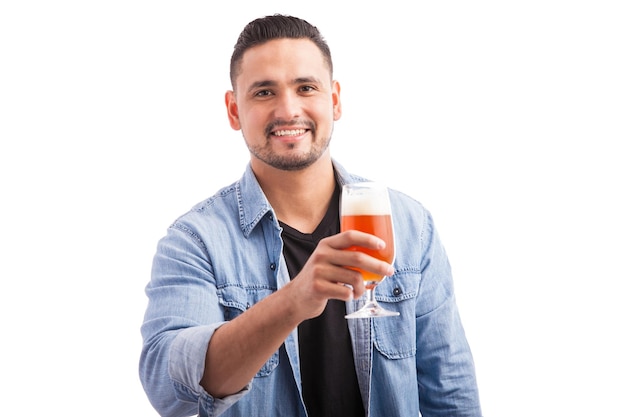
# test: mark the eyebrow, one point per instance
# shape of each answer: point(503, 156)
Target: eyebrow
point(295, 81)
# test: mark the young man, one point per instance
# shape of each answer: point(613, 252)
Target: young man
point(249, 289)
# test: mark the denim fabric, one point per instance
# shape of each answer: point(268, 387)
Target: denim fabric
point(225, 254)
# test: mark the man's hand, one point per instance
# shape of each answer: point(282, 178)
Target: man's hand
point(327, 273)
point(240, 347)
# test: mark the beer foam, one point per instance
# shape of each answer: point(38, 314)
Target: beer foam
point(358, 205)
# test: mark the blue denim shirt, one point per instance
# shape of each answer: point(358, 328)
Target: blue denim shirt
point(225, 254)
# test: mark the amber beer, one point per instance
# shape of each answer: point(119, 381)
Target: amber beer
point(379, 225)
point(369, 211)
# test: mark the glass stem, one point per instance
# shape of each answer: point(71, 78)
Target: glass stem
point(369, 296)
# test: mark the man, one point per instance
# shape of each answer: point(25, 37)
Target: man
point(250, 288)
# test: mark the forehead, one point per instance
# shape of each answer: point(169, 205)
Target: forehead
point(282, 58)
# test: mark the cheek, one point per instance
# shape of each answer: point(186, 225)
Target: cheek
point(253, 123)
point(249, 119)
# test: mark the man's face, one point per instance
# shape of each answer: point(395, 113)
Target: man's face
point(285, 103)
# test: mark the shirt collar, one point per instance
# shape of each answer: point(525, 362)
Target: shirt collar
point(253, 204)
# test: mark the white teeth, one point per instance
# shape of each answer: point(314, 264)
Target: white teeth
point(293, 132)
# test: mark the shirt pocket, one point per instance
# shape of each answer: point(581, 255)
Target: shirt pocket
point(394, 337)
point(234, 300)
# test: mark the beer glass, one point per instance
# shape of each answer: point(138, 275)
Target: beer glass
point(365, 206)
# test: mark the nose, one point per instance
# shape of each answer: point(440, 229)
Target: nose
point(288, 106)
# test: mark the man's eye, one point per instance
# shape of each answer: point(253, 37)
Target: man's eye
point(306, 88)
point(263, 93)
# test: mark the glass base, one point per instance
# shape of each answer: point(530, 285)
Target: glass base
point(371, 310)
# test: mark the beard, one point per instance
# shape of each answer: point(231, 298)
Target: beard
point(292, 159)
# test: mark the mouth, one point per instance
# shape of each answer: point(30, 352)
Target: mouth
point(290, 131)
point(286, 133)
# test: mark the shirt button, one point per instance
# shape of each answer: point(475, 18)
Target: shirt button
point(273, 266)
point(397, 291)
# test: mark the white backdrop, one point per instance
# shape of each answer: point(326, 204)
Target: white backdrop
point(504, 118)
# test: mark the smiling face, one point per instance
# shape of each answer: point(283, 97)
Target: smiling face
point(285, 103)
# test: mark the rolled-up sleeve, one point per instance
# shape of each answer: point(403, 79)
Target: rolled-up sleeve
point(182, 315)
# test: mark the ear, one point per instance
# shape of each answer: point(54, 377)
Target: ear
point(232, 110)
point(336, 93)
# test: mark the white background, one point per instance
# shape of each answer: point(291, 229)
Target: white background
point(505, 118)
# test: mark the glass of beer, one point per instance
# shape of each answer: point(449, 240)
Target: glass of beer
point(365, 206)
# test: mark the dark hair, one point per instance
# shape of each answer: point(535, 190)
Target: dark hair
point(277, 26)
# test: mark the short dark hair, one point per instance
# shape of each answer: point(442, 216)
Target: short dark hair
point(277, 26)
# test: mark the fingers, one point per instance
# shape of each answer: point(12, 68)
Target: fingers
point(344, 285)
point(333, 262)
point(353, 239)
point(328, 276)
point(332, 271)
point(350, 238)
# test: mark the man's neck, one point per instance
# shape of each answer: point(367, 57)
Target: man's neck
point(299, 198)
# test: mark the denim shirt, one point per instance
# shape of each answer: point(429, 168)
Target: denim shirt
point(225, 254)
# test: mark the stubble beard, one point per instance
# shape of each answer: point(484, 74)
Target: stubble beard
point(291, 161)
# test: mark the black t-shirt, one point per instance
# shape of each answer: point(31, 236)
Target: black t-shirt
point(329, 382)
